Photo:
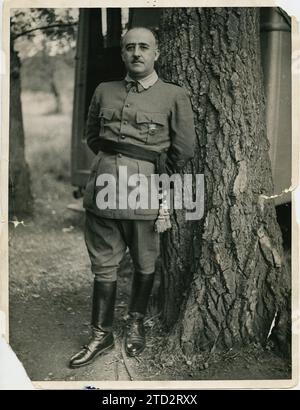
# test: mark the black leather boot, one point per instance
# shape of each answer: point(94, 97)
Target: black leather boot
point(102, 339)
point(135, 340)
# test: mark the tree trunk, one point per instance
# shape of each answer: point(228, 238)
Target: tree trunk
point(54, 90)
point(49, 68)
point(223, 277)
point(20, 197)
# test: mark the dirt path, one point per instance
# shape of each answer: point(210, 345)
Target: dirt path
point(50, 299)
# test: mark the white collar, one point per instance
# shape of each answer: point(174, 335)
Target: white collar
point(145, 82)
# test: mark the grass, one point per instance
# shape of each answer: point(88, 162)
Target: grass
point(47, 137)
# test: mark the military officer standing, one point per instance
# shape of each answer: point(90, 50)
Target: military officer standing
point(131, 123)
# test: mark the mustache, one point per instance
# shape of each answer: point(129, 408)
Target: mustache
point(136, 60)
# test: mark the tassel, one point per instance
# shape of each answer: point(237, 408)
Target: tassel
point(163, 221)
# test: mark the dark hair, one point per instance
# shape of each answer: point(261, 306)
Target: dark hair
point(143, 28)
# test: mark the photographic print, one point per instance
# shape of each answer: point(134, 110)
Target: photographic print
point(149, 195)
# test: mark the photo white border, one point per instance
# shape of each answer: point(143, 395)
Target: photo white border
point(290, 7)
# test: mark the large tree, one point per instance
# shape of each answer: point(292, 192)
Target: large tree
point(224, 277)
point(53, 27)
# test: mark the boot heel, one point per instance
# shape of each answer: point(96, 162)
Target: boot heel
point(107, 349)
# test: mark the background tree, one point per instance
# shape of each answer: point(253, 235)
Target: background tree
point(31, 30)
point(224, 277)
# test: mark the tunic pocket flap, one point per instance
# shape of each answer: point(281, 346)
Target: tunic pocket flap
point(106, 113)
point(148, 117)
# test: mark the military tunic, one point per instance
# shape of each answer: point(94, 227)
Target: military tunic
point(154, 115)
point(159, 118)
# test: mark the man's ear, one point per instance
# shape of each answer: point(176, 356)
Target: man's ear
point(157, 53)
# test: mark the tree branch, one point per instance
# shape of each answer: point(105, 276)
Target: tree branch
point(24, 33)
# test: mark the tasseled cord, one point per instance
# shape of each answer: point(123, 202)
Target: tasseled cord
point(163, 221)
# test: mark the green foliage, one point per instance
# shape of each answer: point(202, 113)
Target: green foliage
point(35, 29)
point(24, 22)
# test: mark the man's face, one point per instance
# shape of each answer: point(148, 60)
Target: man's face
point(139, 52)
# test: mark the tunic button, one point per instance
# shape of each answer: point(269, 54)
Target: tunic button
point(125, 122)
point(120, 155)
point(127, 105)
point(122, 136)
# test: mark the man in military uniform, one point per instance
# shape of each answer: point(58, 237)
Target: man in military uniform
point(130, 122)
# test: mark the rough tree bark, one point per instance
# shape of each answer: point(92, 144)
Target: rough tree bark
point(224, 278)
point(20, 197)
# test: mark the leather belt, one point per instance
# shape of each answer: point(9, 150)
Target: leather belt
point(136, 152)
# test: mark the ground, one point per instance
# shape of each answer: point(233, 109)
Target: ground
point(50, 283)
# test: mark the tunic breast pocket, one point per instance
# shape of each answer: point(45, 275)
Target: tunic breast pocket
point(106, 117)
point(152, 126)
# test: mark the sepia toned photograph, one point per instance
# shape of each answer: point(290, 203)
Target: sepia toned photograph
point(149, 195)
